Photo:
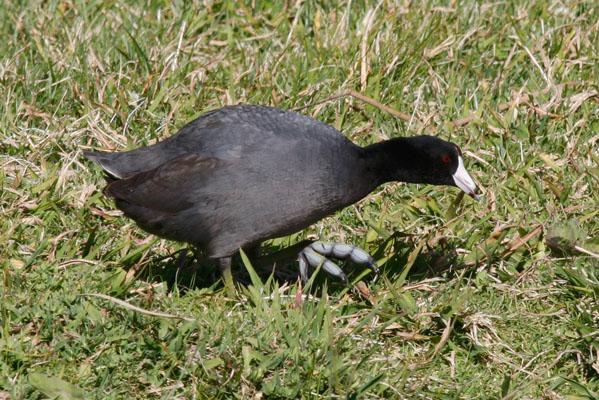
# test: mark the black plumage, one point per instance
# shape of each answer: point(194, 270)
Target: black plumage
point(239, 175)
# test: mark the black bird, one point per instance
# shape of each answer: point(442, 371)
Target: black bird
point(239, 175)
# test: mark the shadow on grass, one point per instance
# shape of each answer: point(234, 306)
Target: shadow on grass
point(188, 269)
point(431, 261)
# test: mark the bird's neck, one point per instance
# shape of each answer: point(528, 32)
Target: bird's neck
point(391, 160)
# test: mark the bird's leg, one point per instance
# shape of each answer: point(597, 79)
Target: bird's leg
point(181, 259)
point(315, 254)
point(224, 264)
point(283, 254)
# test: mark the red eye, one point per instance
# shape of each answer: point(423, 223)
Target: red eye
point(446, 159)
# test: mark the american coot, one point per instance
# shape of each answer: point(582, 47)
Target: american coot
point(239, 175)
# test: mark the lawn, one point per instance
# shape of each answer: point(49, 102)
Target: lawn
point(495, 298)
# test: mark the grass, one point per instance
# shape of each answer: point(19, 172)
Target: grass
point(490, 299)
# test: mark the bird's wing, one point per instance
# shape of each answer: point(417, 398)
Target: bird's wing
point(166, 187)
